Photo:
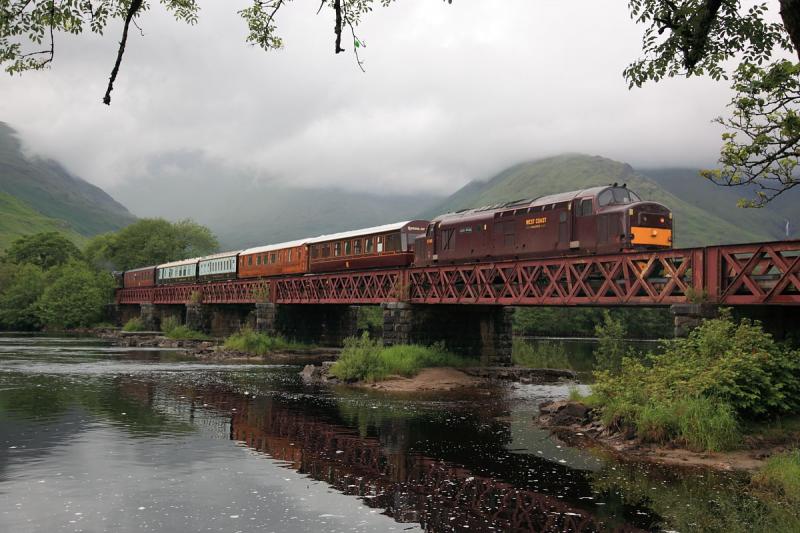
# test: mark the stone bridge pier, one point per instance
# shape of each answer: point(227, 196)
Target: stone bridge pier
point(483, 331)
point(324, 324)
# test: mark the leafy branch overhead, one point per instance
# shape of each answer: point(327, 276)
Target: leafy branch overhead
point(29, 28)
point(761, 142)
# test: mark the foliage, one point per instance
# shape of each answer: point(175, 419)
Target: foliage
point(248, 341)
point(611, 343)
point(640, 323)
point(169, 323)
point(699, 386)
point(44, 250)
point(370, 318)
point(18, 300)
point(150, 242)
point(134, 324)
point(184, 333)
point(695, 37)
point(75, 296)
point(366, 359)
point(781, 475)
point(761, 145)
point(544, 354)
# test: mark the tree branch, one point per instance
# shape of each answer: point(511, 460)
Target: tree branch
point(337, 7)
point(132, 10)
point(790, 14)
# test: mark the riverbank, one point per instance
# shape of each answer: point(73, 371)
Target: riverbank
point(580, 426)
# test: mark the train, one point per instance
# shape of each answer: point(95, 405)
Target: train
point(598, 220)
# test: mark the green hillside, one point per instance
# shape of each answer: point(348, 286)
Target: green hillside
point(694, 225)
point(46, 187)
point(17, 219)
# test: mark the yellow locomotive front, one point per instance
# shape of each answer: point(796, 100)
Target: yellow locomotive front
point(650, 226)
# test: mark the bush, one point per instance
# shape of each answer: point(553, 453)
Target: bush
point(781, 475)
point(183, 333)
point(702, 384)
point(367, 360)
point(169, 324)
point(248, 341)
point(134, 324)
point(543, 354)
point(611, 343)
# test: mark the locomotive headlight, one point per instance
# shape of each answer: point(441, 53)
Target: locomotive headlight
point(670, 216)
point(661, 220)
point(630, 211)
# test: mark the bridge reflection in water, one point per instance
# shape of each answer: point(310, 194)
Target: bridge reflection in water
point(439, 493)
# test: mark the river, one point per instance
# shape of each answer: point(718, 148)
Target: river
point(98, 438)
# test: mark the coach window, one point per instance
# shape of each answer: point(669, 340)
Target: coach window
point(348, 248)
point(393, 242)
point(326, 250)
point(337, 249)
point(258, 260)
point(379, 247)
point(289, 255)
point(272, 258)
point(368, 245)
point(357, 247)
point(249, 260)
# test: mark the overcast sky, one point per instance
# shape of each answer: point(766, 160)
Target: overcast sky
point(451, 93)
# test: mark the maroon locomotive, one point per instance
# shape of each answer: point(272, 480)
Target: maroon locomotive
point(598, 220)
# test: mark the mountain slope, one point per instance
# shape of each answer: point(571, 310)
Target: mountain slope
point(694, 225)
point(48, 188)
point(17, 219)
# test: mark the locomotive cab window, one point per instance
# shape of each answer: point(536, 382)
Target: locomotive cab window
point(584, 208)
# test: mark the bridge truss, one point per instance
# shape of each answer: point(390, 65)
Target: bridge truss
point(744, 274)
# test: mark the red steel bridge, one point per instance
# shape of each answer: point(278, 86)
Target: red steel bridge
point(740, 275)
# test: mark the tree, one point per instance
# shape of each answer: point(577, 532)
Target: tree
point(74, 297)
point(18, 309)
point(150, 242)
point(761, 146)
point(44, 250)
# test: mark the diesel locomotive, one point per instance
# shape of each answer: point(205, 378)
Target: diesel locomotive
point(598, 220)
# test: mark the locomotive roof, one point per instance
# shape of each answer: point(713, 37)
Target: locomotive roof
point(364, 231)
point(273, 247)
point(558, 198)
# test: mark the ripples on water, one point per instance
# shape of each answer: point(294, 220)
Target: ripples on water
point(96, 438)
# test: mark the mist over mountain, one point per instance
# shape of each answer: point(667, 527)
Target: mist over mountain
point(243, 211)
point(40, 195)
point(704, 213)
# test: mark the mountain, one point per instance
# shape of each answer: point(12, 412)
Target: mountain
point(713, 219)
point(45, 187)
point(243, 212)
point(17, 219)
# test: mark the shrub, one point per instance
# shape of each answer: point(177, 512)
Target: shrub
point(248, 341)
point(781, 475)
point(134, 324)
point(702, 384)
point(543, 354)
point(611, 343)
point(366, 359)
point(18, 309)
point(183, 333)
point(169, 324)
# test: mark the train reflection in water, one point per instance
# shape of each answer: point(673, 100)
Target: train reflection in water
point(439, 493)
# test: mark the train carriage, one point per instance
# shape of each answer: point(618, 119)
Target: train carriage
point(390, 245)
point(139, 277)
point(175, 272)
point(218, 267)
point(598, 220)
point(274, 260)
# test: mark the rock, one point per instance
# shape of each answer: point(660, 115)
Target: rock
point(571, 413)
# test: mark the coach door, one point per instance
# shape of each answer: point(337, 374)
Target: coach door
point(584, 226)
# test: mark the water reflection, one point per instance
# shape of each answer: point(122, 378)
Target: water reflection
point(111, 441)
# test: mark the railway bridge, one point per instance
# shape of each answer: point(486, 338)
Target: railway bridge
point(470, 306)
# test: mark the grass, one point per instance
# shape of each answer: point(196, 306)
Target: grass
point(365, 359)
point(543, 354)
point(249, 341)
point(781, 476)
point(134, 324)
point(173, 329)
